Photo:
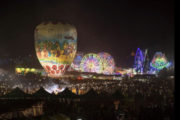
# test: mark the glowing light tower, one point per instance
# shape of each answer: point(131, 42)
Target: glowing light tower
point(139, 61)
point(146, 62)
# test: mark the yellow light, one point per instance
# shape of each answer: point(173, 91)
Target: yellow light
point(22, 69)
point(33, 70)
point(73, 90)
point(18, 70)
point(27, 70)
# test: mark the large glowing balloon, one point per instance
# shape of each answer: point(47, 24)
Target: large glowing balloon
point(159, 62)
point(56, 45)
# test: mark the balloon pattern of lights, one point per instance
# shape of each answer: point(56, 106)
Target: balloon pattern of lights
point(56, 45)
point(91, 63)
point(159, 62)
point(108, 63)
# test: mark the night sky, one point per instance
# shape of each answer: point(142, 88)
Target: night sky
point(116, 28)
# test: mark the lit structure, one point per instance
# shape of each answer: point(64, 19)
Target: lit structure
point(54, 89)
point(91, 63)
point(77, 61)
point(146, 62)
point(56, 45)
point(78, 91)
point(159, 62)
point(108, 63)
point(24, 71)
point(123, 71)
point(139, 61)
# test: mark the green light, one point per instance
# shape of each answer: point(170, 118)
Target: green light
point(160, 63)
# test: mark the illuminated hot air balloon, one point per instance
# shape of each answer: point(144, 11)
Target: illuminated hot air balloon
point(56, 45)
point(159, 62)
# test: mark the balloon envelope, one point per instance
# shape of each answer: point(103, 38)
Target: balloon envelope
point(56, 45)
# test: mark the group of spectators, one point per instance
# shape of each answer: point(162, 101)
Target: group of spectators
point(143, 100)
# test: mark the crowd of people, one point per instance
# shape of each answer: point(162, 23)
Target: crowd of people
point(142, 100)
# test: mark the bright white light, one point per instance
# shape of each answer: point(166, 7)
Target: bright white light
point(54, 88)
point(79, 119)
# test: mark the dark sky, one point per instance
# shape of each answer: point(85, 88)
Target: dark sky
point(117, 28)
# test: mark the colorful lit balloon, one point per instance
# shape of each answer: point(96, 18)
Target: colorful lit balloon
point(159, 62)
point(108, 63)
point(56, 45)
point(91, 63)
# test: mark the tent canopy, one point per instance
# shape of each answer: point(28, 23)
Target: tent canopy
point(67, 94)
point(41, 93)
point(16, 93)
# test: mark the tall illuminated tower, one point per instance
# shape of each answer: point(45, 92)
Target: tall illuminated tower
point(139, 61)
point(146, 62)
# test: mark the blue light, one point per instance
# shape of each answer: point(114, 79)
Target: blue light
point(139, 61)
